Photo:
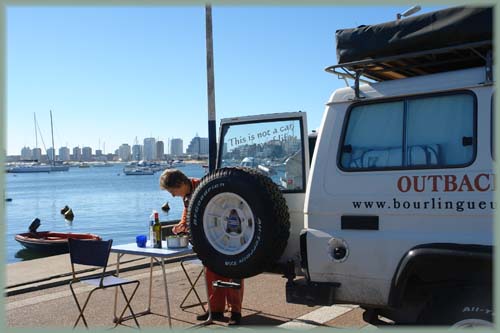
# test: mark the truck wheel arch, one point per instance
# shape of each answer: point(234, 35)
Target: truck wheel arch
point(464, 264)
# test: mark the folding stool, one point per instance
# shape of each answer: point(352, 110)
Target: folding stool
point(192, 288)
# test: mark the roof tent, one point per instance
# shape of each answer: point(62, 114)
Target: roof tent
point(449, 39)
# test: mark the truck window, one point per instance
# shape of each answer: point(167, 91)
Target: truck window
point(273, 148)
point(423, 132)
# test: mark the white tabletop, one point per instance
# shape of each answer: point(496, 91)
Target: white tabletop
point(164, 252)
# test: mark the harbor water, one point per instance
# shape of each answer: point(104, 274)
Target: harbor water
point(104, 201)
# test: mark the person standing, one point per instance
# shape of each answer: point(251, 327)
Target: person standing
point(178, 184)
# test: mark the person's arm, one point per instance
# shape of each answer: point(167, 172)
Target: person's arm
point(182, 225)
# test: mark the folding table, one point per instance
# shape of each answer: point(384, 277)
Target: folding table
point(155, 254)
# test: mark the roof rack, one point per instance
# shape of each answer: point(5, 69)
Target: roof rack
point(412, 64)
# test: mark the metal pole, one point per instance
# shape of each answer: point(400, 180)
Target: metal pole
point(212, 145)
point(36, 134)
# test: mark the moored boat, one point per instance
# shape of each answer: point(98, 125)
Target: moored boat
point(177, 164)
point(59, 167)
point(101, 164)
point(28, 168)
point(138, 171)
point(50, 242)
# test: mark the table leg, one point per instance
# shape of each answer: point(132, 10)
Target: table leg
point(150, 283)
point(115, 318)
point(145, 312)
point(166, 292)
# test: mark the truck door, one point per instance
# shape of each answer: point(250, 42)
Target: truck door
point(277, 146)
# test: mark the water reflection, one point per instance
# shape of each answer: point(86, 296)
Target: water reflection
point(26, 254)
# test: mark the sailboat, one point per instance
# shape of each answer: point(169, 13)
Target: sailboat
point(55, 166)
point(36, 166)
point(32, 166)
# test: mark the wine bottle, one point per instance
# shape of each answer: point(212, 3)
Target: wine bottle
point(157, 231)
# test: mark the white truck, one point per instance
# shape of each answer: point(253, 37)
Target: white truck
point(390, 204)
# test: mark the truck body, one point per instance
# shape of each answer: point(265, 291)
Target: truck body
point(389, 205)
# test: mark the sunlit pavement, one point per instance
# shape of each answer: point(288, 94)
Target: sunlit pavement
point(263, 305)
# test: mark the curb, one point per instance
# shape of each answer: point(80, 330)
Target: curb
point(67, 277)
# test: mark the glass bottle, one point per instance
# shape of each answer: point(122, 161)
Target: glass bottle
point(150, 229)
point(157, 231)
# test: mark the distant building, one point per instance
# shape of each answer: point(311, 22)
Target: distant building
point(176, 147)
point(99, 156)
point(51, 154)
point(36, 154)
point(86, 154)
point(136, 152)
point(124, 152)
point(292, 144)
point(160, 150)
point(198, 146)
point(77, 154)
point(64, 154)
point(26, 153)
point(149, 149)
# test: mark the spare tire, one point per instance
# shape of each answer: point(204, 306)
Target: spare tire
point(239, 222)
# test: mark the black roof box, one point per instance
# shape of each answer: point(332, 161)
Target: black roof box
point(453, 38)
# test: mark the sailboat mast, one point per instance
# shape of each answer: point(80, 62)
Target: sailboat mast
point(53, 147)
point(36, 134)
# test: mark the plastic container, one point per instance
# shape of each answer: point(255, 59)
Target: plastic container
point(141, 240)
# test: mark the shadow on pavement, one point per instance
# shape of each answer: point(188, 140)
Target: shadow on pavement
point(259, 319)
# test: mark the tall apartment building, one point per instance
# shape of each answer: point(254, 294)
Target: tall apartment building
point(176, 147)
point(198, 146)
point(160, 150)
point(86, 154)
point(26, 153)
point(124, 152)
point(149, 149)
point(36, 154)
point(64, 154)
point(51, 154)
point(137, 153)
point(77, 154)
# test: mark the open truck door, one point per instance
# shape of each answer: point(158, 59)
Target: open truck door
point(246, 215)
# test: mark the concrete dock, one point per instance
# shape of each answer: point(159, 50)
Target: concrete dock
point(38, 296)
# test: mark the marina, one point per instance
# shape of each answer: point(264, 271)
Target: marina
point(105, 202)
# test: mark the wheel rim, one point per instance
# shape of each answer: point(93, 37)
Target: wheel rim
point(470, 323)
point(228, 223)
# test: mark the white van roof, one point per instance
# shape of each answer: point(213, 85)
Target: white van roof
point(466, 78)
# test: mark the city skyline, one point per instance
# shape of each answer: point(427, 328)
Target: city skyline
point(39, 140)
point(171, 146)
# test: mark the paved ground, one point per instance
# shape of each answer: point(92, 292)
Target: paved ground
point(47, 303)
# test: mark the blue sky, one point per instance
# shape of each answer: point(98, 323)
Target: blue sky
point(110, 74)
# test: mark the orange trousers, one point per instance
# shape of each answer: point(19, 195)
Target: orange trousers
point(218, 296)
